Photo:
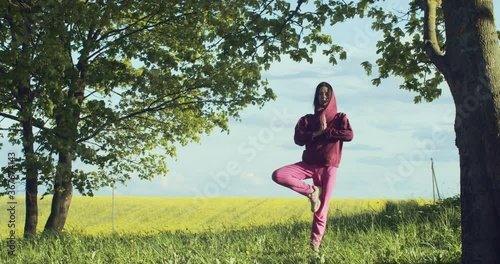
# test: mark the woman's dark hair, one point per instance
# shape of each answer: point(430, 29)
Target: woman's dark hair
point(330, 91)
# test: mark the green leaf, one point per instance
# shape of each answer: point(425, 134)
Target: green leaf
point(343, 55)
point(367, 66)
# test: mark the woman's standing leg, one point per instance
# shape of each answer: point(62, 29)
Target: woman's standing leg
point(324, 177)
point(293, 176)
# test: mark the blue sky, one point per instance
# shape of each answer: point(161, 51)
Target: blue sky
point(394, 139)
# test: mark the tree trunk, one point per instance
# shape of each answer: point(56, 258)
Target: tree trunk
point(63, 192)
point(67, 129)
point(472, 69)
point(31, 220)
point(21, 36)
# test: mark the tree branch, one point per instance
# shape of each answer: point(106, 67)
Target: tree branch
point(147, 26)
point(283, 25)
point(36, 123)
point(265, 38)
point(15, 118)
point(431, 44)
point(11, 129)
point(150, 108)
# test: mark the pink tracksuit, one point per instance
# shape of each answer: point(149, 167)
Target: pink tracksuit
point(320, 160)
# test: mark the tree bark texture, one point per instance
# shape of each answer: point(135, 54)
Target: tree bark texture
point(471, 66)
point(31, 220)
point(63, 192)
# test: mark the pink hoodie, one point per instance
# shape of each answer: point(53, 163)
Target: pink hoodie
point(326, 149)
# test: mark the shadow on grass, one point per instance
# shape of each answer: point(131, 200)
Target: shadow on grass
point(398, 214)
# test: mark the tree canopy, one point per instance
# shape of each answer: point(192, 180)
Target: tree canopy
point(109, 81)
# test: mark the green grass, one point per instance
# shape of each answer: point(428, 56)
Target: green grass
point(246, 230)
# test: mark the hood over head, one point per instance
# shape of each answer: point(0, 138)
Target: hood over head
point(331, 109)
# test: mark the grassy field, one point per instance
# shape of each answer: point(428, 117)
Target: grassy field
point(240, 230)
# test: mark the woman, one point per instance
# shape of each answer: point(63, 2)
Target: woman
point(323, 134)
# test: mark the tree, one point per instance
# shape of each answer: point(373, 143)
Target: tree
point(467, 57)
point(108, 83)
point(471, 67)
point(17, 94)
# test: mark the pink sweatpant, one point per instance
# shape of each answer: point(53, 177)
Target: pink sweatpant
point(293, 176)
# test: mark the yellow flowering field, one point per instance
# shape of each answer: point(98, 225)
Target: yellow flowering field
point(150, 215)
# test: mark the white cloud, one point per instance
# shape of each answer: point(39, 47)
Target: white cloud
point(252, 179)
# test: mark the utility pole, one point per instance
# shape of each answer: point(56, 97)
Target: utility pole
point(434, 184)
point(113, 209)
